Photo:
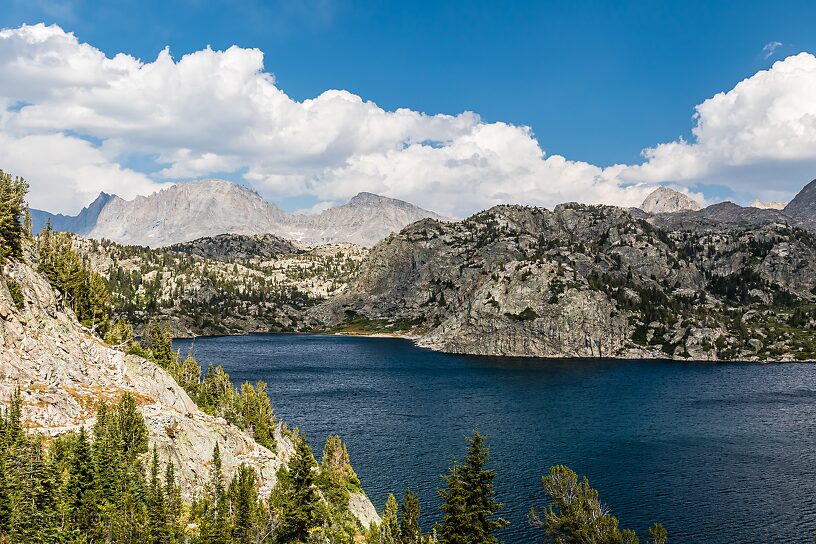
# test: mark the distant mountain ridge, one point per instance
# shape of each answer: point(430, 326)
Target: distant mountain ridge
point(208, 208)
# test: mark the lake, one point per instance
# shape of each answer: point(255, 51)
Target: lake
point(718, 453)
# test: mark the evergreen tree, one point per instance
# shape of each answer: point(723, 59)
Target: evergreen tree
point(481, 502)
point(214, 515)
point(83, 490)
point(409, 528)
point(172, 498)
point(574, 514)
point(337, 463)
point(455, 527)
point(156, 505)
point(298, 502)
point(12, 206)
point(390, 528)
point(469, 500)
point(243, 495)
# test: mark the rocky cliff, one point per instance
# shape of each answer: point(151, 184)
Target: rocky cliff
point(64, 373)
point(587, 281)
point(207, 208)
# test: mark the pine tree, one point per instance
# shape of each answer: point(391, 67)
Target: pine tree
point(574, 514)
point(455, 527)
point(336, 461)
point(172, 498)
point(156, 505)
point(481, 502)
point(409, 528)
point(130, 427)
point(215, 509)
point(243, 495)
point(12, 206)
point(298, 500)
point(161, 343)
point(83, 491)
point(469, 501)
point(390, 529)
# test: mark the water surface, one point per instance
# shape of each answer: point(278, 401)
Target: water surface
point(720, 453)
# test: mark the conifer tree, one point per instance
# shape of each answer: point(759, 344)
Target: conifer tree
point(469, 500)
point(298, 501)
point(409, 528)
point(156, 505)
point(390, 528)
point(172, 498)
point(574, 514)
point(481, 502)
point(337, 463)
point(454, 528)
point(83, 491)
point(244, 500)
point(214, 516)
point(12, 206)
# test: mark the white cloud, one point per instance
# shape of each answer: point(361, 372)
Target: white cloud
point(758, 138)
point(219, 111)
point(770, 48)
point(71, 118)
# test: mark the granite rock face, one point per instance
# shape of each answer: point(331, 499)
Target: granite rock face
point(666, 200)
point(208, 208)
point(584, 281)
point(64, 373)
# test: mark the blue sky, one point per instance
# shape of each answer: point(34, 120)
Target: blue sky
point(596, 81)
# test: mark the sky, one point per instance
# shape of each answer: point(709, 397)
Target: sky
point(455, 106)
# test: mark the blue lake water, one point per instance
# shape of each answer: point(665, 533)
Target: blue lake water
point(721, 453)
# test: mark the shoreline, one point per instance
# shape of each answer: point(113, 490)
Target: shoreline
point(415, 338)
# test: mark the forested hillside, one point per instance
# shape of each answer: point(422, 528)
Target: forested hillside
point(224, 285)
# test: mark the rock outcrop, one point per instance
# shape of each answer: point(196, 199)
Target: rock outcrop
point(586, 281)
point(666, 200)
point(64, 373)
point(198, 209)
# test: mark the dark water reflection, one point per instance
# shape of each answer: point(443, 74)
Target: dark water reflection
point(718, 453)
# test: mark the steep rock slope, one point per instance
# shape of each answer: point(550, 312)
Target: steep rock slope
point(803, 205)
point(586, 281)
point(64, 373)
point(188, 211)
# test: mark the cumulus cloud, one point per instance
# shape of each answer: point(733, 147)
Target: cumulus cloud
point(758, 138)
point(72, 119)
point(220, 111)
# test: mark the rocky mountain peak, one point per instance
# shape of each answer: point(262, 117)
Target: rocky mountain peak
point(211, 207)
point(803, 205)
point(666, 200)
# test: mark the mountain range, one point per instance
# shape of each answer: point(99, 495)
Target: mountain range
point(188, 211)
